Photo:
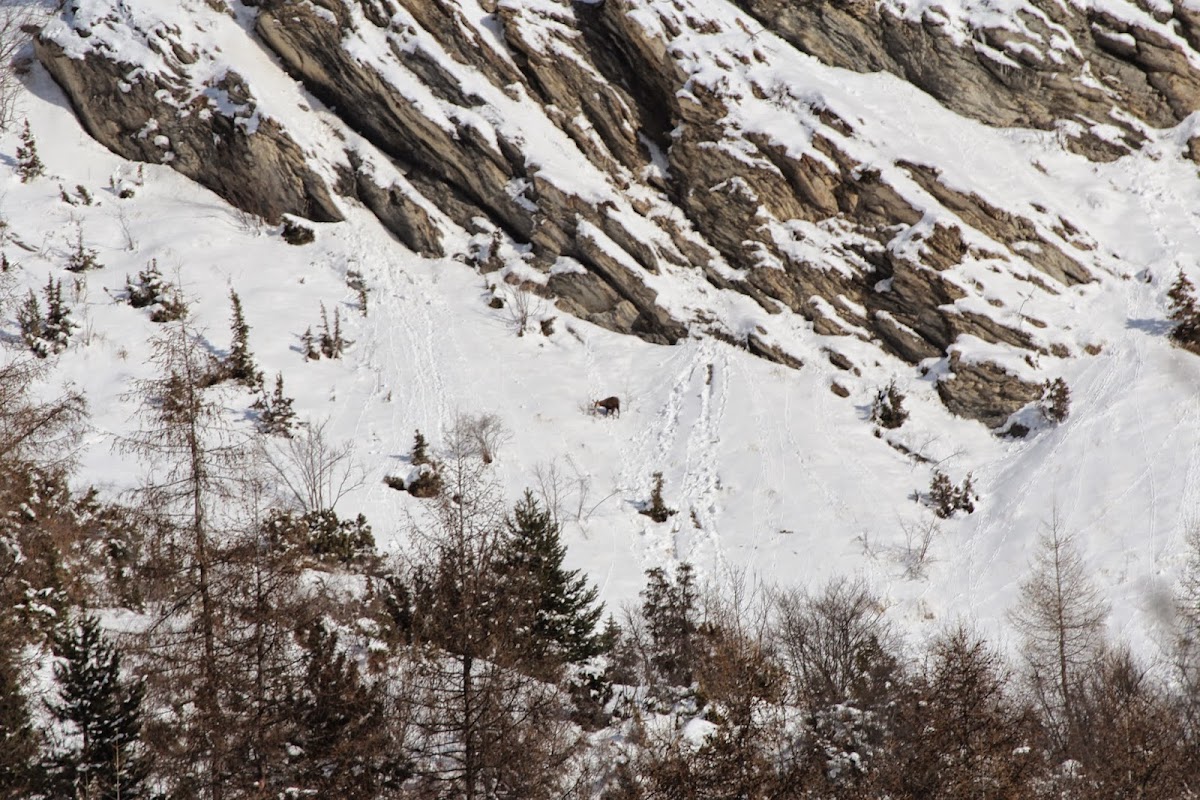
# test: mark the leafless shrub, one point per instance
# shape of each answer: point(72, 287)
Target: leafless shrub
point(131, 242)
point(917, 539)
point(315, 472)
point(478, 436)
point(523, 306)
point(836, 643)
point(563, 492)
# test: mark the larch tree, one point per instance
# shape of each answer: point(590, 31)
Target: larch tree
point(196, 466)
point(1061, 617)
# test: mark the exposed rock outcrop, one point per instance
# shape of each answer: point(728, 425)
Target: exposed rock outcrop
point(1050, 62)
point(214, 136)
point(985, 391)
point(616, 144)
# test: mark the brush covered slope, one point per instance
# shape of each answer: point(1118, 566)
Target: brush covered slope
point(788, 206)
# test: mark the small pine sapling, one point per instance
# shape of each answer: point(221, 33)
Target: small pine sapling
point(83, 194)
point(332, 343)
point(29, 164)
point(275, 414)
point(171, 308)
point(947, 499)
point(149, 288)
point(59, 325)
point(657, 509)
point(309, 343)
point(32, 325)
point(1056, 401)
point(153, 290)
point(1184, 312)
point(426, 483)
point(420, 454)
point(888, 409)
point(82, 258)
point(240, 365)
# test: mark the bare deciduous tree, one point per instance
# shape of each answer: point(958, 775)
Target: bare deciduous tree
point(198, 468)
point(523, 306)
point(1061, 617)
point(477, 436)
point(315, 472)
point(836, 642)
point(31, 430)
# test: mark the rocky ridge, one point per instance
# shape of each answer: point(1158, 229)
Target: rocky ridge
point(599, 151)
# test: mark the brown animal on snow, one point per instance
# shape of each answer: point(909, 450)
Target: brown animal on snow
point(611, 405)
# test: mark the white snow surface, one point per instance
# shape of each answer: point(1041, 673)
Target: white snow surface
point(770, 472)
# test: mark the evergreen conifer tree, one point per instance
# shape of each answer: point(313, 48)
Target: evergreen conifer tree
point(420, 453)
point(59, 325)
point(240, 363)
point(342, 747)
point(888, 408)
point(103, 758)
point(29, 164)
point(18, 739)
point(669, 608)
point(32, 325)
point(45, 333)
point(276, 416)
point(309, 343)
point(566, 613)
point(1184, 312)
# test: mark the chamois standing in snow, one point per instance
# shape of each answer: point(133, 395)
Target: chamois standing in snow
point(611, 405)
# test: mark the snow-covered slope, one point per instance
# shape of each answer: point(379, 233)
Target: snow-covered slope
point(769, 469)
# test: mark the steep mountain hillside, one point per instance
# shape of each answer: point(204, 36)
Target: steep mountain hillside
point(744, 219)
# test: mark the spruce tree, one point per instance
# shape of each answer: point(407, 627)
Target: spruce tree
point(669, 608)
point(1184, 312)
point(309, 343)
point(888, 408)
point(18, 739)
point(46, 333)
point(343, 744)
point(32, 324)
point(566, 613)
point(420, 453)
point(103, 758)
point(59, 325)
point(275, 414)
point(240, 363)
point(29, 164)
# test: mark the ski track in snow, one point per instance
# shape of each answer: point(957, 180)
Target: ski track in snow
point(778, 474)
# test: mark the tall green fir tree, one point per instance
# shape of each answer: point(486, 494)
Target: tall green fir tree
point(240, 363)
point(343, 745)
point(102, 758)
point(670, 610)
point(566, 613)
point(18, 738)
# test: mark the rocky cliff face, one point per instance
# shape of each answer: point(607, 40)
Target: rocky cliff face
point(611, 150)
